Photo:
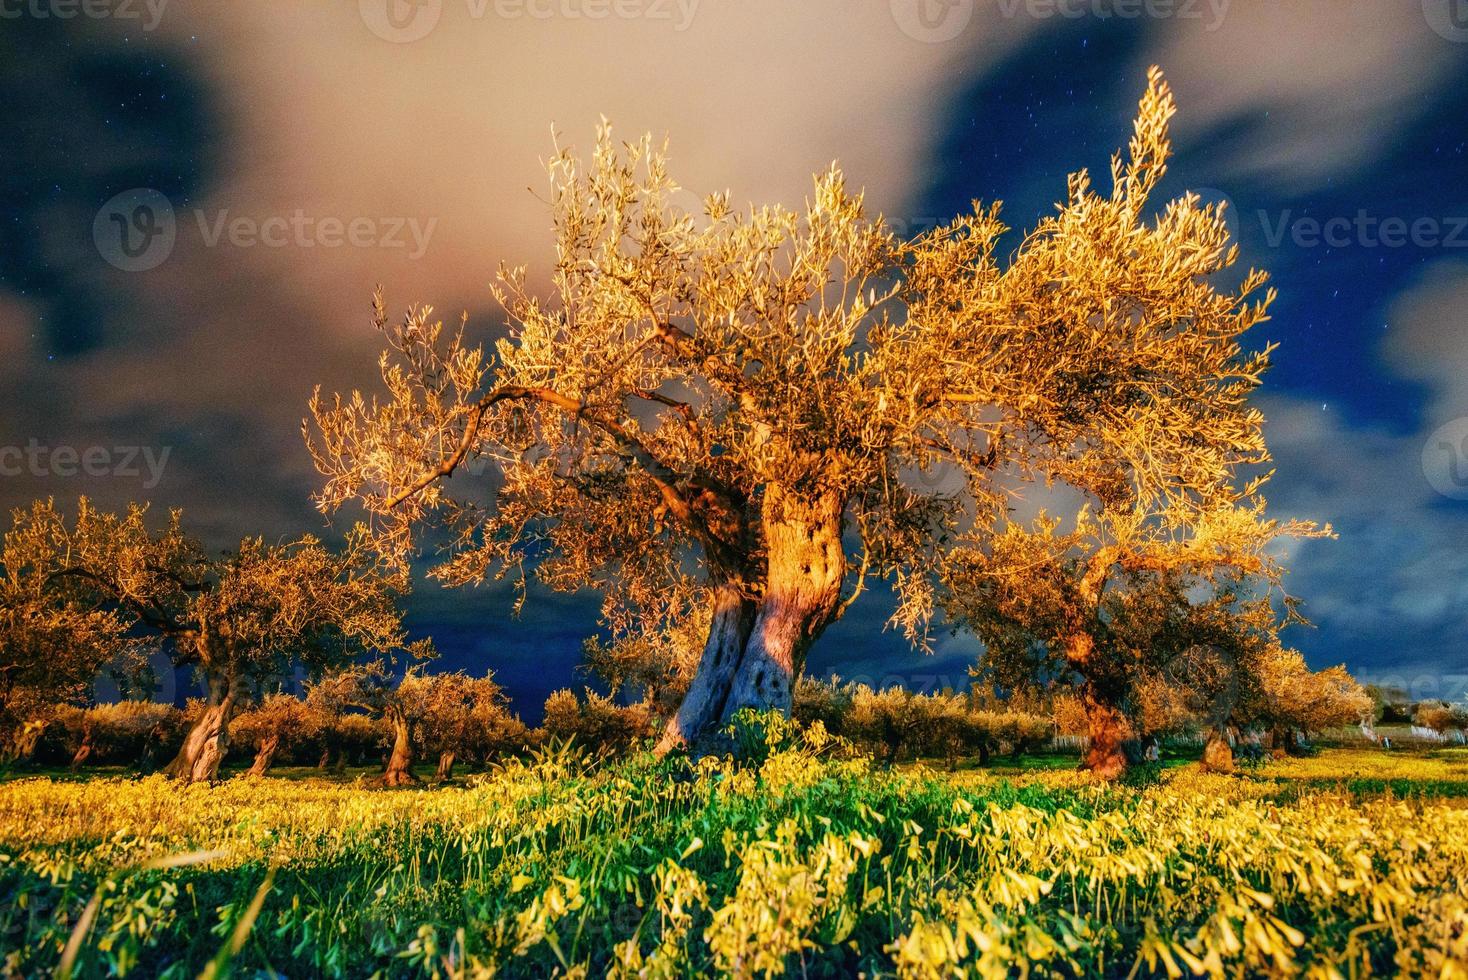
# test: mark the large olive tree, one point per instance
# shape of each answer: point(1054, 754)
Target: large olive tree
point(782, 404)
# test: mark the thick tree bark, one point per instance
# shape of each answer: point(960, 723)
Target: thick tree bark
point(265, 755)
point(1218, 755)
point(445, 766)
point(21, 747)
point(703, 705)
point(1282, 741)
point(756, 647)
point(333, 753)
point(400, 763)
point(1107, 729)
point(207, 742)
point(152, 749)
point(84, 750)
point(806, 565)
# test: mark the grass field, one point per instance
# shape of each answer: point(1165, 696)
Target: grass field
point(1347, 864)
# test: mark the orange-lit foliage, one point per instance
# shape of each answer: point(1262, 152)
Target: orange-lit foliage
point(800, 400)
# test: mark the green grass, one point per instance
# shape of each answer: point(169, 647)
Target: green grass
point(803, 863)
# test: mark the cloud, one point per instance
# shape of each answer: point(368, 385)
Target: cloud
point(754, 96)
point(1428, 326)
point(1326, 84)
point(1390, 595)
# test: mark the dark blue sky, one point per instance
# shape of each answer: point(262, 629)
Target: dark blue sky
point(1322, 115)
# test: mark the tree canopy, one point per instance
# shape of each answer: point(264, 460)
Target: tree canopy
point(775, 405)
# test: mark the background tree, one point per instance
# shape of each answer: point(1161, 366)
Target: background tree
point(278, 721)
point(655, 660)
point(774, 397)
point(1294, 699)
point(400, 703)
point(1110, 602)
point(594, 721)
point(493, 731)
point(458, 713)
point(259, 612)
point(50, 651)
point(120, 733)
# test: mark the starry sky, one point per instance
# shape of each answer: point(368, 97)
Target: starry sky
point(198, 196)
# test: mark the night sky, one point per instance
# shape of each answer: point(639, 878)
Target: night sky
point(309, 151)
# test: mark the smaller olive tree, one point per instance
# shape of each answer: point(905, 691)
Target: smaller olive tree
point(400, 704)
point(122, 732)
point(1111, 604)
point(239, 619)
point(50, 651)
point(1292, 699)
point(456, 713)
point(279, 721)
point(595, 721)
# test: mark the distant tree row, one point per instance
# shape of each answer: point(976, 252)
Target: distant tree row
point(444, 717)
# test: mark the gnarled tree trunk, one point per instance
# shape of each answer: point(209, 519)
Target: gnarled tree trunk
point(1218, 754)
point(445, 766)
point(207, 742)
point(265, 755)
point(756, 648)
point(1107, 730)
point(399, 770)
point(84, 750)
point(703, 705)
point(333, 752)
point(152, 748)
point(806, 564)
point(21, 747)
point(1283, 742)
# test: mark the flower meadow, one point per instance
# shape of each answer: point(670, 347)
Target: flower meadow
point(803, 859)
